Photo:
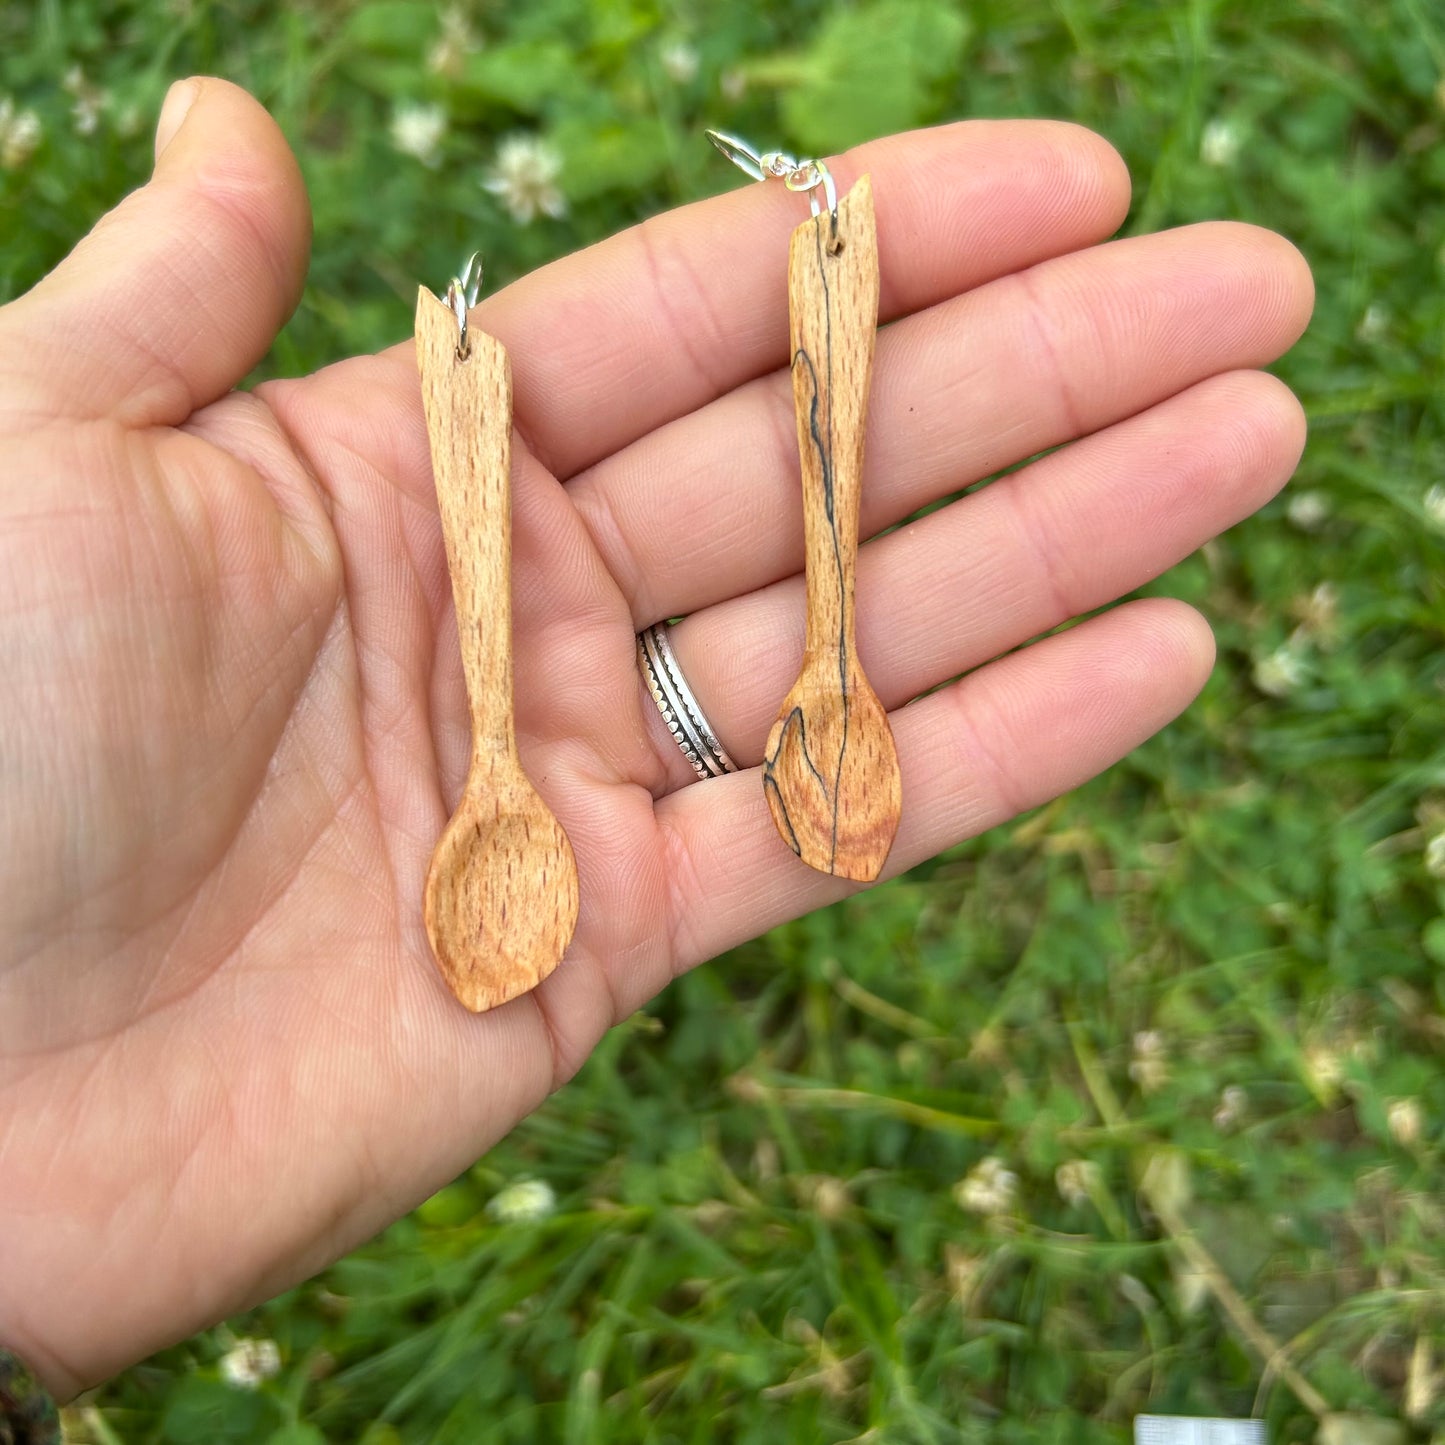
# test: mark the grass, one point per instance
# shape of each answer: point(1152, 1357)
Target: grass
point(1207, 986)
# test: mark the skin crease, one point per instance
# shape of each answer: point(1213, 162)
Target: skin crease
point(235, 724)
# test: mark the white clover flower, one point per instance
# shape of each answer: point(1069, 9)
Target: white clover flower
point(1434, 502)
point(1435, 856)
point(1233, 1104)
point(524, 176)
point(20, 134)
point(1406, 1120)
point(457, 42)
point(1319, 612)
point(988, 1188)
point(963, 1271)
point(830, 1198)
point(1325, 1066)
point(523, 1202)
point(417, 130)
point(86, 114)
point(1281, 672)
point(89, 101)
point(248, 1363)
point(1220, 143)
point(1076, 1180)
point(1308, 511)
point(1374, 324)
point(130, 120)
point(679, 62)
point(1149, 1068)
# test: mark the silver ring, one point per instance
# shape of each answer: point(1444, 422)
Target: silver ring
point(685, 719)
point(462, 293)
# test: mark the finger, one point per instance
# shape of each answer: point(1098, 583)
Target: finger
point(179, 291)
point(1066, 535)
point(648, 325)
point(1005, 739)
point(961, 390)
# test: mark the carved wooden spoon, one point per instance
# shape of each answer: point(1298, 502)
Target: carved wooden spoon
point(831, 770)
point(501, 893)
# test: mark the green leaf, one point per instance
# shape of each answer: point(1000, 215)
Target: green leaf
point(391, 27)
point(524, 76)
point(207, 1412)
point(381, 1433)
point(449, 1207)
point(870, 72)
point(1432, 939)
point(297, 1433)
point(391, 76)
point(620, 155)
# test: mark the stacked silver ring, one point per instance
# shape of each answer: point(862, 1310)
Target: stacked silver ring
point(679, 708)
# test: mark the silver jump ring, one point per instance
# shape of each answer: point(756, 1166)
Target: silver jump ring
point(824, 177)
point(462, 293)
point(808, 176)
point(679, 706)
point(805, 175)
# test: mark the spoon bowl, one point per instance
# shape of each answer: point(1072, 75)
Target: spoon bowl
point(501, 893)
point(831, 773)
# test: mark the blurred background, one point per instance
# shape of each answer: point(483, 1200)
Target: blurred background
point(1135, 1104)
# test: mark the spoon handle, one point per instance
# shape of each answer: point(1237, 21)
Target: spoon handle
point(833, 304)
point(468, 403)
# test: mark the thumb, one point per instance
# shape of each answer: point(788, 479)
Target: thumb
point(179, 291)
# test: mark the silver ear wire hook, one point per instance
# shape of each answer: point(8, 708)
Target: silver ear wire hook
point(803, 176)
point(741, 154)
point(462, 293)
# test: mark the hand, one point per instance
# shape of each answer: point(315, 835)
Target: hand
point(235, 722)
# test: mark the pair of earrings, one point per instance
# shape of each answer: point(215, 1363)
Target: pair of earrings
point(501, 894)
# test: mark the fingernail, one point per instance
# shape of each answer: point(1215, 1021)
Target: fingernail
point(179, 99)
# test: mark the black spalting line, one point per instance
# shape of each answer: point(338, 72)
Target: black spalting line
point(825, 457)
point(794, 719)
point(837, 548)
point(770, 785)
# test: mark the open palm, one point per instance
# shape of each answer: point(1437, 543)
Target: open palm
point(235, 722)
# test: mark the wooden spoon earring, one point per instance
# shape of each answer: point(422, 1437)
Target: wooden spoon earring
point(501, 894)
point(830, 770)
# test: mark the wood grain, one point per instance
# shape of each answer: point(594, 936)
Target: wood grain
point(501, 893)
point(830, 770)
